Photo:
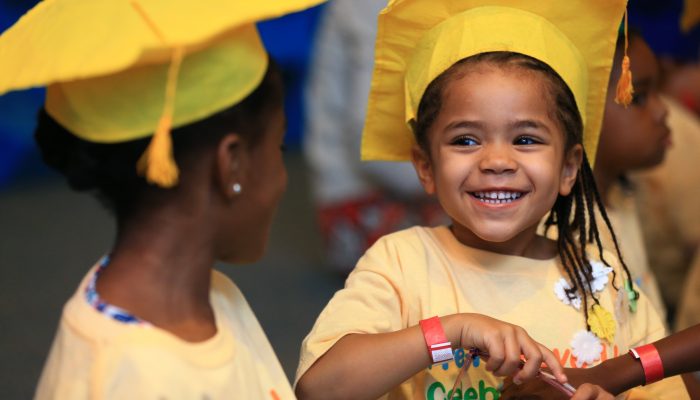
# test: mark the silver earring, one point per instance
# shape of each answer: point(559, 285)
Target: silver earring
point(237, 188)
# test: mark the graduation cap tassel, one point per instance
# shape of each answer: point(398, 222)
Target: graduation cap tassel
point(157, 162)
point(625, 90)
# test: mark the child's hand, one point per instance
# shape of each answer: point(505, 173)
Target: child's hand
point(505, 343)
point(589, 391)
point(537, 389)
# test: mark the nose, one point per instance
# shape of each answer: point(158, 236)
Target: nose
point(496, 158)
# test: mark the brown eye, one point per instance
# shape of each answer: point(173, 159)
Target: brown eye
point(464, 141)
point(525, 141)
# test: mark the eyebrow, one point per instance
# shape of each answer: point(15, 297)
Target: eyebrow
point(518, 124)
point(529, 123)
point(464, 124)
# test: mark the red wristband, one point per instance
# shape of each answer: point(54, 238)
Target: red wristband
point(439, 347)
point(651, 362)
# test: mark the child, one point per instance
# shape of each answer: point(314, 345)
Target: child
point(503, 97)
point(632, 138)
point(668, 195)
point(153, 319)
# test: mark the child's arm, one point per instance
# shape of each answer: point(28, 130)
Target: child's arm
point(680, 353)
point(363, 366)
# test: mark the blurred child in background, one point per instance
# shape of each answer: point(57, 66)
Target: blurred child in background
point(357, 202)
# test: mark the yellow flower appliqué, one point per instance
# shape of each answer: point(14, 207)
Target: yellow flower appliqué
point(602, 323)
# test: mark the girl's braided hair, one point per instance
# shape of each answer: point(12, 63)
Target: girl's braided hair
point(574, 214)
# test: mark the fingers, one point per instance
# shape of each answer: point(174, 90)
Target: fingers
point(553, 363)
point(507, 360)
point(533, 356)
point(495, 345)
point(505, 344)
point(589, 391)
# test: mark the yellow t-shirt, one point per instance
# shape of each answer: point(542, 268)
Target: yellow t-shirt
point(96, 357)
point(421, 272)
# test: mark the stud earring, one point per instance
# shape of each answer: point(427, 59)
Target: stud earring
point(237, 188)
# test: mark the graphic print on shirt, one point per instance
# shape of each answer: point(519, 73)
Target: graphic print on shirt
point(478, 383)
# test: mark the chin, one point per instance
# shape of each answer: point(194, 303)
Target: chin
point(496, 237)
point(492, 234)
point(651, 162)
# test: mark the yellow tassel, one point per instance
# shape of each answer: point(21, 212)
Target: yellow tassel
point(157, 162)
point(625, 89)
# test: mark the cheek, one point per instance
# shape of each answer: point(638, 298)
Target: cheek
point(453, 169)
point(547, 171)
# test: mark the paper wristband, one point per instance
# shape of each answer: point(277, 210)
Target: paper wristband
point(651, 362)
point(439, 347)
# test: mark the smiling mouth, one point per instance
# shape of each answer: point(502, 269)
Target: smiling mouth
point(497, 196)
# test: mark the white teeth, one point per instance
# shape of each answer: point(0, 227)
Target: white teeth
point(497, 197)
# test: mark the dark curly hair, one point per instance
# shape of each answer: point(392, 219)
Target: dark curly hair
point(109, 170)
point(574, 214)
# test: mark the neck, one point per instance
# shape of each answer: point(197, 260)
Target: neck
point(525, 244)
point(160, 271)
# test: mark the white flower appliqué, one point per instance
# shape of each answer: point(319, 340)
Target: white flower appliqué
point(560, 288)
point(600, 275)
point(586, 347)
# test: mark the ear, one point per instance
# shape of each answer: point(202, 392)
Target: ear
point(231, 165)
point(424, 168)
point(572, 163)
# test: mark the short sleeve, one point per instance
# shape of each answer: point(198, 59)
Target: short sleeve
point(373, 301)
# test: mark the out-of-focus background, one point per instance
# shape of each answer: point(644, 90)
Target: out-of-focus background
point(334, 206)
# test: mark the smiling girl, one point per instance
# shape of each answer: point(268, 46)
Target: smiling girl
point(504, 100)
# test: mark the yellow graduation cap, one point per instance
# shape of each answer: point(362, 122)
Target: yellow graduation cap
point(118, 70)
point(417, 40)
point(691, 15)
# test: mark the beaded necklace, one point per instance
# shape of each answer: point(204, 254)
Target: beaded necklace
point(114, 312)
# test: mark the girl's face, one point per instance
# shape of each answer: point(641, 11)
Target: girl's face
point(497, 156)
point(637, 136)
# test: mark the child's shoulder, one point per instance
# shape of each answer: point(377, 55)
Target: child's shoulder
point(400, 248)
point(221, 283)
point(413, 237)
